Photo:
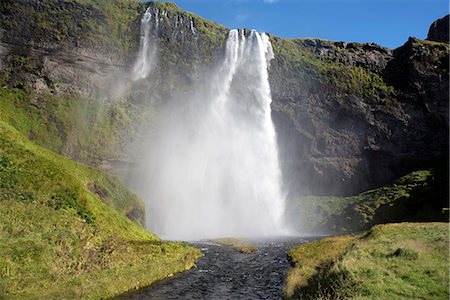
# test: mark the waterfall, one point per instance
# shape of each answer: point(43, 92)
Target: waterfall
point(212, 167)
point(147, 46)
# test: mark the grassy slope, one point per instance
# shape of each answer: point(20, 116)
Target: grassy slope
point(413, 197)
point(395, 261)
point(76, 127)
point(60, 239)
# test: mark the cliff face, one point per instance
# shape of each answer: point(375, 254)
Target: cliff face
point(87, 47)
point(355, 116)
point(66, 46)
point(72, 62)
point(349, 116)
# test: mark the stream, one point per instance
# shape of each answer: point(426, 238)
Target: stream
point(225, 273)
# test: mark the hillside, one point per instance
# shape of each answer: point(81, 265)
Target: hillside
point(64, 231)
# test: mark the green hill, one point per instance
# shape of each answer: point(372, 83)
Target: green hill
point(64, 231)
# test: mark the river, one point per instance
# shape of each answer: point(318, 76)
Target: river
point(225, 273)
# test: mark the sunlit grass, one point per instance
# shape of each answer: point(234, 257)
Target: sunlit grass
point(240, 245)
point(395, 261)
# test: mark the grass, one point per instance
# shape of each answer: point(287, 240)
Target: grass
point(392, 261)
point(413, 197)
point(239, 245)
point(64, 231)
point(307, 258)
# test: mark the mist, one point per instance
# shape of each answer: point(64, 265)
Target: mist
point(210, 167)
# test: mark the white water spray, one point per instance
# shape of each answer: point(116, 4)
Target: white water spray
point(212, 168)
point(147, 47)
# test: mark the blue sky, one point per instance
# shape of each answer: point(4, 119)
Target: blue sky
point(385, 22)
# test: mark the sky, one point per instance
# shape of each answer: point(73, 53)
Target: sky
point(385, 22)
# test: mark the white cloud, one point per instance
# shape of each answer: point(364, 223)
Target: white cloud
point(270, 1)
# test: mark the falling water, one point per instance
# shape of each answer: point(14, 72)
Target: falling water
point(147, 47)
point(213, 167)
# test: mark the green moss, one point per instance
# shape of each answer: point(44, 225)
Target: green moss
point(54, 255)
point(105, 26)
point(33, 174)
point(396, 261)
point(76, 127)
point(115, 30)
point(308, 259)
point(210, 37)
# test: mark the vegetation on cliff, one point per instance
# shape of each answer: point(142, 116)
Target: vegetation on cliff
point(353, 116)
point(395, 261)
point(74, 109)
point(97, 28)
point(299, 57)
point(77, 127)
point(104, 26)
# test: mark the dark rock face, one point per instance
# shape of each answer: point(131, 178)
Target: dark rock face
point(82, 28)
point(439, 30)
point(67, 44)
point(335, 139)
